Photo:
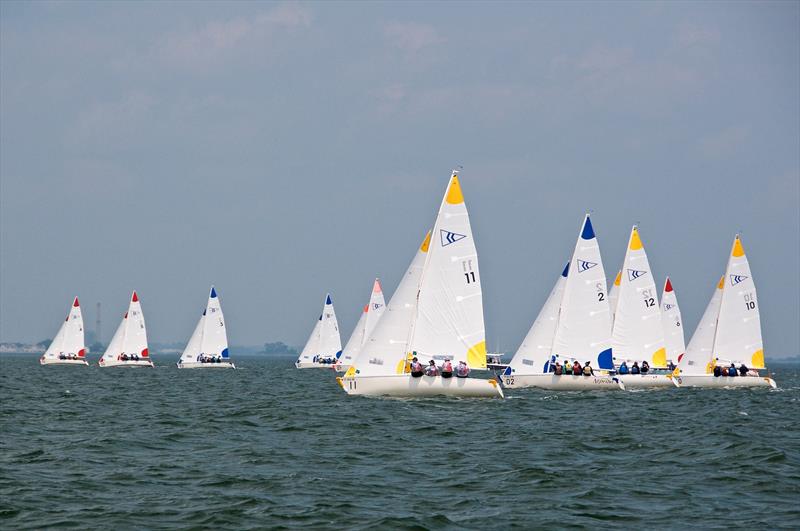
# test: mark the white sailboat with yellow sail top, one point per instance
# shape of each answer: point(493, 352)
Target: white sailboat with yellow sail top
point(729, 333)
point(436, 314)
point(637, 336)
point(370, 316)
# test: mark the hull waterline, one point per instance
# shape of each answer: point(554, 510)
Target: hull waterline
point(647, 381)
point(709, 380)
point(425, 386)
point(43, 361)
point(563, 382)
point(197, 365)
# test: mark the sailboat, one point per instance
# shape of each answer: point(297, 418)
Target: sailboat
point(208, 346)
point(68, 347)
point(436, 313)
point(638, 334)
point(728, 333)
point(373, 311)
point(324, 345)
point(613, 295)
point(573, 325)
point(672, 323)
point(128, 347)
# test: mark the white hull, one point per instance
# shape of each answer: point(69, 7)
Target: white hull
point(45, 361)
point(709, 380)
point(312, 365)
point(563, 382)
point(198, 365)
point(129, 363)
point(403, 385)
point(644, 381)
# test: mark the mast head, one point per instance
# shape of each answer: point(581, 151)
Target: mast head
point(134, 297)
point(667, 286)
point(328, 299)
point(588, 231)
point(213, 294)
point(738, 250)
point(635, 243)
point(75, 303)
point(376, 287)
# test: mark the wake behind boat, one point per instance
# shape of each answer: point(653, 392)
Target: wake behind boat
point(324, 345)
point(208, 346)
point(435, 315)
point(128, 347)
point(726, 349)
point(68, 347)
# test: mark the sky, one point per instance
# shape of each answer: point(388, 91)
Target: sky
point(283, 150)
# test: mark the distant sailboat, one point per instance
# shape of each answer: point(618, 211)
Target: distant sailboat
point(573, 325)
point(128, 347)
point(68, 347)
point(373, 311)
point(728, 333)
point(435, 313)
point(324, 345)
point(672, 324)
point(208, 346)
point(638, 334)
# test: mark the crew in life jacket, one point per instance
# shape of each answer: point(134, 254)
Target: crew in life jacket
point(124, 357)
point(462, 371)
point(587, 370)
point(743, 370)
point(577, 370)
point(645, 367)
point(635, 368)
point(62, 356)
point(447, 368)
point(724, 371)
point(717, 371)
point(416, 368)
point(431, 369)
point(559, 370)
point(623, 368)
point(732, 371)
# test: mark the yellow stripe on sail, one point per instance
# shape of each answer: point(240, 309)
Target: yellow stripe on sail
point(757, 360)
point(454, 195)
point(635, 243)
point(476, 356)
point(660, 358)
point(426, 243)
point(738, 250)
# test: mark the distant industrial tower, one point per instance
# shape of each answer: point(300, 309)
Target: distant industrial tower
point(97, 337)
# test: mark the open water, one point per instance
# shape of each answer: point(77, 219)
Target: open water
point(268, 446)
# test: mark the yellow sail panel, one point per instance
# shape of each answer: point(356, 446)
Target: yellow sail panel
point(476, 356)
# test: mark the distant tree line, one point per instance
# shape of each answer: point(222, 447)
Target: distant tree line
point(279, 347)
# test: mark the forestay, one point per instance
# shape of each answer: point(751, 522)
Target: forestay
point(449, 318)
point(535, 353)
point(613, 295)
point(384, 351)
point(638, 333)
point(584, 326)
point(699, 352)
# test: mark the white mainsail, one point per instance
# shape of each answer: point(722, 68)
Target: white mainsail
point(209, 337)
point(131, 335)
point(384, 351)
point(672, 323)
point(584, 326)
point(535, 353)
point(613, 295)
point(330, 342)
point(372, 312)
point(449, 317)
point(700, 351)
point(738, 339)
point(69, 339)
point(311, 347)
point(638, 333)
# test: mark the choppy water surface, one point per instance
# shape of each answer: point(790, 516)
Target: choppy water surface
point(270, 446)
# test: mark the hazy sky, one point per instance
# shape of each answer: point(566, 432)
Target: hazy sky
point(282, 150)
